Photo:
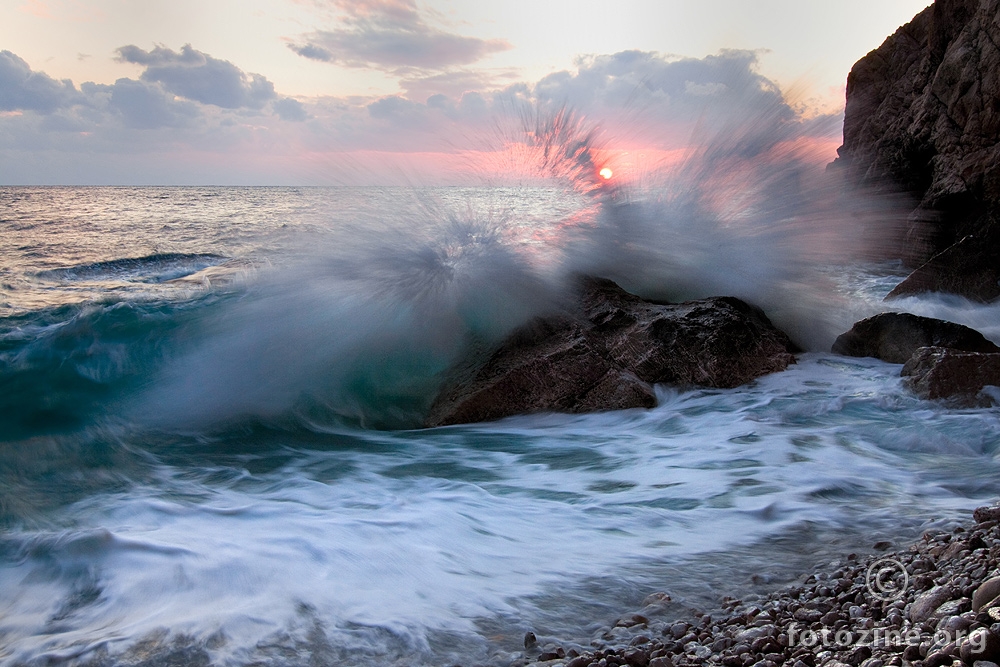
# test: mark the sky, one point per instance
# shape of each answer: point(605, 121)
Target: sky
point(330, 92)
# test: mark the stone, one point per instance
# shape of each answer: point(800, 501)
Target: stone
point(981, 644)
point(987, 591)
point(926, 603)
point(986, 513)
point(609, 353)
point(894, 337)
point(936, 373)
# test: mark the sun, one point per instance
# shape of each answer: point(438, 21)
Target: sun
point(606, 173)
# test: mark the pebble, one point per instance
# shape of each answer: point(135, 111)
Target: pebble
point(949, 597)
point(987, 591)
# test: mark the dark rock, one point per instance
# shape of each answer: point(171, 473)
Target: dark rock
point(637, 658)
point(988, 591)
point(608, 355)
point(937, 372)
point(970, 267)
point(984, 514)
point(922, 117)
point(858, 655)
point(938, 659)
point(894, 337)
point(981, 644)
point(925, 605)
point(530, 640)
point(911, 653)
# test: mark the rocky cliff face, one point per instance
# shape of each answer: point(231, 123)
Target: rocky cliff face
point(923, 114)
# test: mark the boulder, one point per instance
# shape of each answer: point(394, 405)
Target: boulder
point(938, 372)
point(894, 337)
point(923, 116)
point(609, 352)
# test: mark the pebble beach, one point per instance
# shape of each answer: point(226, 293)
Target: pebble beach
point(936, 603)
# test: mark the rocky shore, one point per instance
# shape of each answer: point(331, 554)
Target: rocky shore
point(922, 119)
point(934, 604)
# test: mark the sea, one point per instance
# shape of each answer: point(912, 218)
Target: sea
point(211, 402)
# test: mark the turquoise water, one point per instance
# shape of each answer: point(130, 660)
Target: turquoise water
point(208, 410)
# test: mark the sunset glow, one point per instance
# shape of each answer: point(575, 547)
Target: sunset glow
point(99, 95)
point(606, 173)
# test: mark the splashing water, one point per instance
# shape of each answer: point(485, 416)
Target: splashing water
point(196, 464)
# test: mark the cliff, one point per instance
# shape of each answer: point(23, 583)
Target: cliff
point(923, 115)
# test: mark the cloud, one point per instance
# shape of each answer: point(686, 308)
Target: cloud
point(144, 106)
point(312, 52)
point(200, 77)
point(290, 109)
point(392, 35)
point(662, 100)
point(641, 79)
point(24, 90)
point(455, 83)
point(639, 99)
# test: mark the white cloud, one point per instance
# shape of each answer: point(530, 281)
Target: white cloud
point(392, 35)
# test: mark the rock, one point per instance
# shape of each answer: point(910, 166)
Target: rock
point(970, 267)
point(925, 604)
point(608, 355)
point(988, 591)
point(938, 659)
point(894, 337)
point(986, 513)
point(921, 116)
point(937, 372)
point(637, 658)
point(981, 644)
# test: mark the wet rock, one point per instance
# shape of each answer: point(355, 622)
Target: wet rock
point(970, 267)
point(984, 514)
point(894, 337)
point(679, 629)
point(530, 640)
point(637, 658)
point(608, 354)
point(941, 373)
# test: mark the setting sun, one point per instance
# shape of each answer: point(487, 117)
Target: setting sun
point(605, 173)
